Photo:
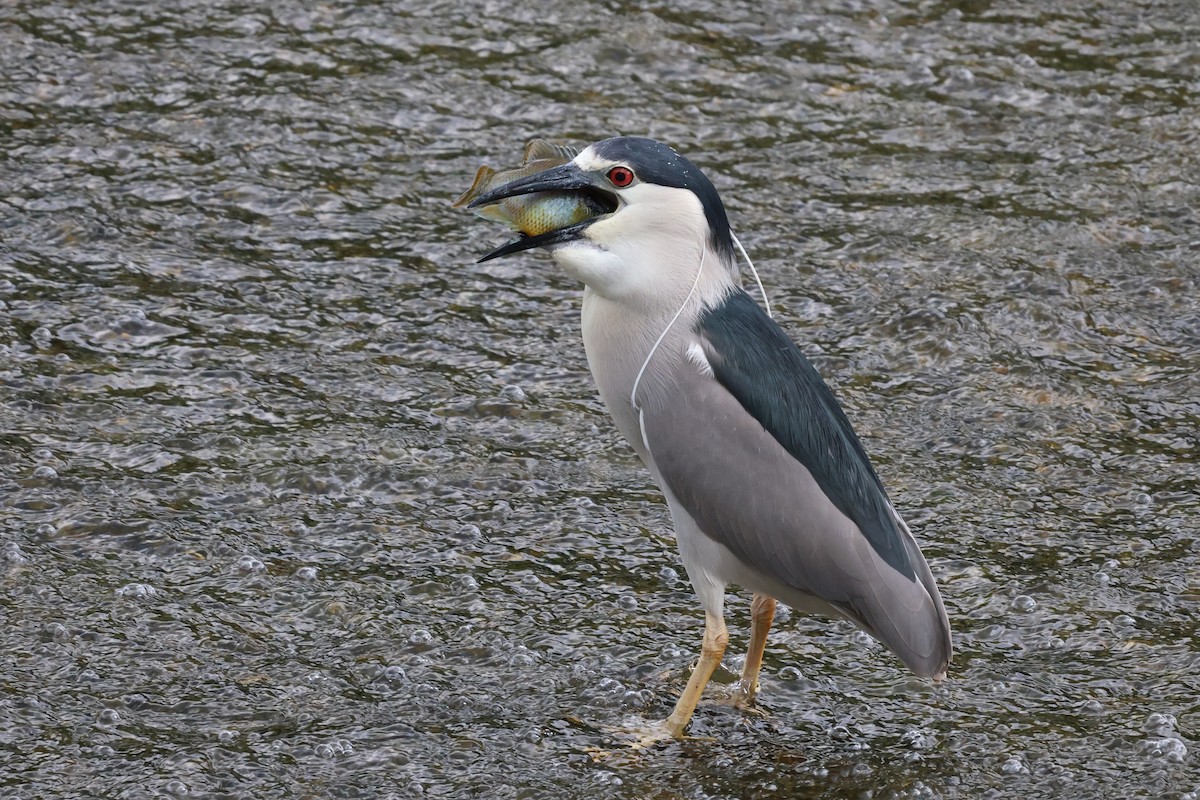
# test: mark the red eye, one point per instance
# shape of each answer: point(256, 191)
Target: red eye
point(620, 177)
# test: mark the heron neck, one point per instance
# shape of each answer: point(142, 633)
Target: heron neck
point(623, 339)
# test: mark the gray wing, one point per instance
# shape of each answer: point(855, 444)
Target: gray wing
point(798, 518)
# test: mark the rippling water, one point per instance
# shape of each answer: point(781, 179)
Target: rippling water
point(297, 500)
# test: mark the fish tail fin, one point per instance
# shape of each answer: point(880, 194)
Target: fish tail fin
point(478, 186)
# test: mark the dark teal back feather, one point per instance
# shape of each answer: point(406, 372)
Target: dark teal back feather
point(763, 368)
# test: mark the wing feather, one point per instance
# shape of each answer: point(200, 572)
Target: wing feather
point(761, 457)
point(763, 368)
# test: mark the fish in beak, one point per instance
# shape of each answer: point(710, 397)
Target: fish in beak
point(549, 200)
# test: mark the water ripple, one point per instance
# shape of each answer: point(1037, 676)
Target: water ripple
point(293, 492)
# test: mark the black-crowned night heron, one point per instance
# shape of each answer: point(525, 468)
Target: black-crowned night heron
point(768, 485)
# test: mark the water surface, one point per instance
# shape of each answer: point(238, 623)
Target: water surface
point(297, 500)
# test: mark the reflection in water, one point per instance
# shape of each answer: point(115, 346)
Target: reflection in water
point(293, 493)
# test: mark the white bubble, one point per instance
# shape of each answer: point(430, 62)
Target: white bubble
point(395, 674)
point(1168, 748)
point(57, 631)
point(177, 788)
point(514, 393)
point(1160, 723)
point(1023, 603)
point(610, 685)
point(250, 564)
point(606, 778)
point(11, 552)
point(137, 590)
point(338, 747)
point(1013, 766)
point(839, 733)
point(919, 739)
point(469, 533)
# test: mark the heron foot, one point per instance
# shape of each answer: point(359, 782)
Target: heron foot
point(742, 699)
point(642, 737)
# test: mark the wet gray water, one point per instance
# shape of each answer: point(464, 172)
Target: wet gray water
point(298, 501)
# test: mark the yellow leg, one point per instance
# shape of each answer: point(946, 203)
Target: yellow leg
point(715, 640)
point(762, 612)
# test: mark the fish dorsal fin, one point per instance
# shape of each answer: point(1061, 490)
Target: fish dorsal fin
point(478, 187)
point(540, 150)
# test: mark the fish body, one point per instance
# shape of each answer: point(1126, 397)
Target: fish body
point(532, 214)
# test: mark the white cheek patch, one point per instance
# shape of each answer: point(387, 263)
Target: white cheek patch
point(588, 161)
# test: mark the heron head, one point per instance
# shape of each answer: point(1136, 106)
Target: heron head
point(665, 217)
